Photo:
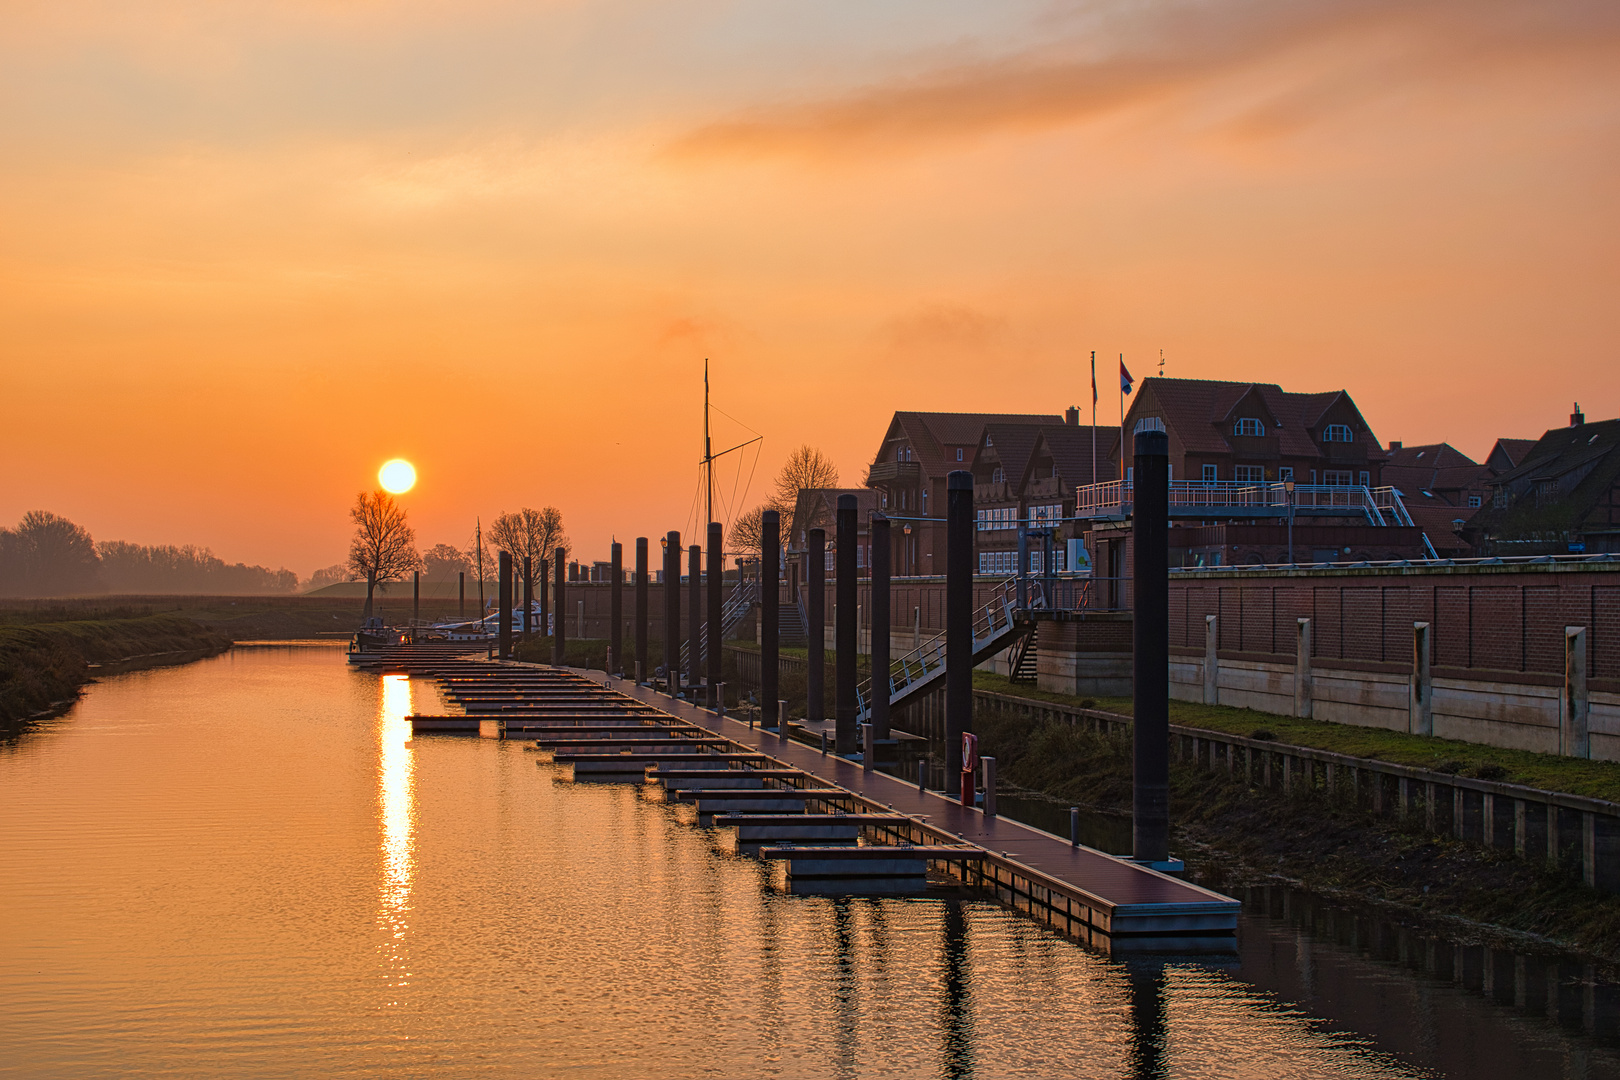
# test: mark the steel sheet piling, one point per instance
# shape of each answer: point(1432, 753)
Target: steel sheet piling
point(641, 610)
point(770, 606)
point(716, 582)
point(616, 609)
point(815, 584)
point(504, 634)
point(844, 640)
point(880, 627)
point(958, 621)
point(1150, 555)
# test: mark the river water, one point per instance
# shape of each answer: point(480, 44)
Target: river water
point(244, 867)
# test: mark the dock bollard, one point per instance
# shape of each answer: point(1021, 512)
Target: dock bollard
point(1074, 826)
point(823, 744)
point(989, 764)
point(720, 699)
point(866, 747)
point(922, 774)
point(781, 719)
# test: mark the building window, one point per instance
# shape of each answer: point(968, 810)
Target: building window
point(958, 453)
point(1366, 478)
point(1338, 433)
point(1211, 474)
point(1474, 500)
point(1049, 514)
point(998, 475)
point(1337, 477)
point(987, 441)
point(1248, 425)
point(1148, 423)
point(1249, 474)
point(1285, 474)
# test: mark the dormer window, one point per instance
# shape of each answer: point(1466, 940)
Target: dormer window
point(1148, 423)
point(1249, 425)
point(1338, 433)
point(958, 453)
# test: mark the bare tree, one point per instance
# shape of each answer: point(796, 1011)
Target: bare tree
point(806, 467)
point(535, 534)
point(442, 562)
point(48, 555)
point(530, 534)
point(384, 545)
point(748, 531)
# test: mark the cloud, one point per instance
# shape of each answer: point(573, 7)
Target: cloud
point(945, 326)
point(1169, 54)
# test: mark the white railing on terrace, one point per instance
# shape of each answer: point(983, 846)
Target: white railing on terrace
point(1380, 506)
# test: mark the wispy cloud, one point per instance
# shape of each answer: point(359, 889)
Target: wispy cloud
point(1163, 55)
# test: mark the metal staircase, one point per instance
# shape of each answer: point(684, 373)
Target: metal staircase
point(793, 628)
point(995, 627)
point(732, 613)
point(1024, 668)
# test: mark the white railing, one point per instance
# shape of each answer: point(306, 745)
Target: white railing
point(1380, 506)
point(926, 662)
point(732, 611)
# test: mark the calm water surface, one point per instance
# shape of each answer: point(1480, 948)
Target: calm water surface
point(244, 867)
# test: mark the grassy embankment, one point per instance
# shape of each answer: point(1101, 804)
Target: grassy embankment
point(243, 618)
point(43, 664)
point(1232, 834)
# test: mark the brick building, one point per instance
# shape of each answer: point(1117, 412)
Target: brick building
point(1030, 472)
point(1563, 498)
point(918, 452)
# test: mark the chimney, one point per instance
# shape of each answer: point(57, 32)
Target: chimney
point(1577, 418)
point(1071, 416)
point(1394, 446)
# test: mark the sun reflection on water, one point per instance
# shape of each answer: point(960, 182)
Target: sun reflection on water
point(396, 814)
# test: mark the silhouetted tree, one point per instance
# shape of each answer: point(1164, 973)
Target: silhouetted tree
point(48, 555)
point(384, 544)
point(442, 563)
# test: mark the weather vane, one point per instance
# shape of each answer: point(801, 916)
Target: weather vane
point(1161, 363)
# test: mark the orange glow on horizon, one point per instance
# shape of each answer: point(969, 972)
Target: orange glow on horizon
point(251, 234)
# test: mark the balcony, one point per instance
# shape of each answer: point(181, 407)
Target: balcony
point(895, 474)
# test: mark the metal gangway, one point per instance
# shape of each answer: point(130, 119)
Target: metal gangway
point(996, 626)
point(732, 613)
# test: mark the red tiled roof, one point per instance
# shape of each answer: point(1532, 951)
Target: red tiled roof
point(1197, 411)
point(1430, 456)
point(1515, 449)
point(931, 432)
point(1071, 448)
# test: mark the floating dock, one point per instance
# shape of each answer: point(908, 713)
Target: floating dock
point(754, 780)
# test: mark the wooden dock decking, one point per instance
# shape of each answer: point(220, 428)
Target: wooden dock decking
point(1099, 899)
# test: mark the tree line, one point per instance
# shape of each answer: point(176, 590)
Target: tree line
point(48, 555)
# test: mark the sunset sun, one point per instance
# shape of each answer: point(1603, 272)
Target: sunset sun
point(397, 476)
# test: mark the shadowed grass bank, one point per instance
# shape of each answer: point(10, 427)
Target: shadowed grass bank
point(43, 665)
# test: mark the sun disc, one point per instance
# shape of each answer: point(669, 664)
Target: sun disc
point(397, 476)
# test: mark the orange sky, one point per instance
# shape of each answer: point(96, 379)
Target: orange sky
point(249, 251)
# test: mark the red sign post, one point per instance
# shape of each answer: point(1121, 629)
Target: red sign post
point(970, 767)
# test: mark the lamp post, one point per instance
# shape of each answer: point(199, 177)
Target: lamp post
point(1288, 487)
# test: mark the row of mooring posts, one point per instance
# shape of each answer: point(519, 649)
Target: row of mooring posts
point(1150, 574)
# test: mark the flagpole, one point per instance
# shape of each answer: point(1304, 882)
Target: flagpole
point(1122, 421)
point(1094, 420)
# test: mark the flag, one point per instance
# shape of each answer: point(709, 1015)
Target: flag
point(1094, 380)
point(1125, 379)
